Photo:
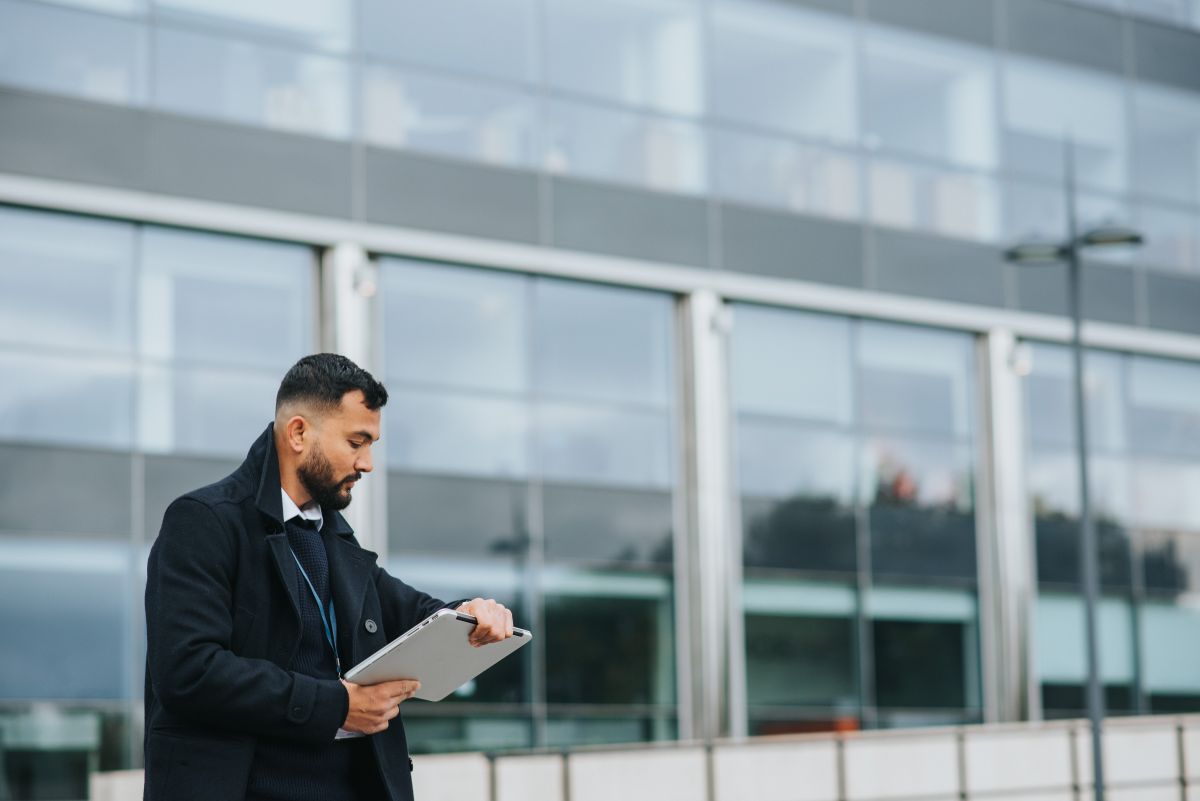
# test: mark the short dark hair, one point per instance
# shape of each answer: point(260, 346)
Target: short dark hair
point(323, 378)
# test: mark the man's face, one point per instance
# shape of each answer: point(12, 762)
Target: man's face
point(340, 452)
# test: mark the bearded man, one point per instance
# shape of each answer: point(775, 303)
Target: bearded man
point(258, 599)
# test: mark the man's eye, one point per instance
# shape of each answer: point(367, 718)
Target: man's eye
point(355, 445)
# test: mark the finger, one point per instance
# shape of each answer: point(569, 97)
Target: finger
point(392, 712)
point(508, 629)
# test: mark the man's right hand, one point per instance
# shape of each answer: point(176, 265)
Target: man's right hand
point(373, 706)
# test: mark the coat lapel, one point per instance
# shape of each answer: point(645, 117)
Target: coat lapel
point(350, 570)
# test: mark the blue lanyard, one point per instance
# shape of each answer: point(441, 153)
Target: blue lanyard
point(328, 621)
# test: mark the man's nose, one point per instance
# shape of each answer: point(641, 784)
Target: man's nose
point(363, 463)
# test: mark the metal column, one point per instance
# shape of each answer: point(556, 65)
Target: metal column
point(1007, 579)
point(349, 282)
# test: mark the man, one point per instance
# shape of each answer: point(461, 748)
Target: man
point(258, 598)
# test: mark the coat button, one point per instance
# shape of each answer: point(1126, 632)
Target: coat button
point(371, 627)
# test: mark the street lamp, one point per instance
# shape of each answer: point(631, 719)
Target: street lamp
point(1068, 252)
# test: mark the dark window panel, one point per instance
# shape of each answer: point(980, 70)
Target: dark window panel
point(820, 721)
point(920, 664)
point(1170, 561)
point(608, 525)
point(799, 533)
point(1058, 552)
point(463, 516)
point(35, 481)
point(604, 651)
point(599, 729)
point(428, 734)
point(1070, 700)
point(912, 541)
point(801, 661)
point(1173, 703)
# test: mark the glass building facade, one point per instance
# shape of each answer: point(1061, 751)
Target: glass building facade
point(702, 354)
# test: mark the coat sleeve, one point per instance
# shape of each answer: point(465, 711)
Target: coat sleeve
point(189, 625)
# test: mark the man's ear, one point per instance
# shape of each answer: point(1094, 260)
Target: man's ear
point(295, 430)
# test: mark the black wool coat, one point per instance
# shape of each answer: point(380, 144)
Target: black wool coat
point(223, 624)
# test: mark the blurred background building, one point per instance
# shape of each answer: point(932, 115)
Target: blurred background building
point(702, 352)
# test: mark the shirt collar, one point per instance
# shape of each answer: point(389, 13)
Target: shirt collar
point(311, 510)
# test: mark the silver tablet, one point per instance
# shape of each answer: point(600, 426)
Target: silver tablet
point(437, 653)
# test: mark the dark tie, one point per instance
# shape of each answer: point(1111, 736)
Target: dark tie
point(315, 657)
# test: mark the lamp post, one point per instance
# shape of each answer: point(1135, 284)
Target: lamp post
point(1069, 252)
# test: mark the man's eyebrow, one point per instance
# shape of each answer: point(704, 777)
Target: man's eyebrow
point(365, 435)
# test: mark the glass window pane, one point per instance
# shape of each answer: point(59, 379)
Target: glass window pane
point(957, 204)
point(446, 116)
point(922, 515)
point(32, 480)
point(797, 486)
point(496, 39)
point(801, 661)
point(1046, 103)
point(636, 52)
point(312, 23)
point(168, 477)
point(1163, 416)
point(1034, 212)
point(1170, 649)
point(784, 460)
point(608, 650)
point(928, 97)
point(916, 379)
point(602, 343)
point(1172, 238)
point(1170, 562)
point(64, 607)
point(73, 53)
point(250, 83)
point(454, 326)
point(1054, 496)
point(436, 735)
point(204, 411)
point(225, 300)
point(128, 7)
point(1049, 390)
point(598, 524)
point(1164, 495)
point(444, 433)
point(69, 401)
point(462, 516)
point(65, 281)
point(922, 664)
point(773, 171)
point(756, 38)
point(603, 445)
point(791, 364)
point(1167, 142)
point(623, 146)
point(1059, 640)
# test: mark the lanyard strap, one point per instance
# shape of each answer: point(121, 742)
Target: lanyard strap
point(328, 621)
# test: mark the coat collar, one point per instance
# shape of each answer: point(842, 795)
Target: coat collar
point(263, 461)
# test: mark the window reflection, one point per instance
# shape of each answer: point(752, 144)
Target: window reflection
point(915, 379)
point(1037, 122)
point(921, 511)
point(313, 23)
point(800, 661)
point(602, 343)
point(449, 117)
point(662, 153)
point(71, 52)
point(1172, 238)
point(251, 83)
point(644, 53)
point(1061, 662)
point(946, 202)
point(457, 433)
point(456, 515)
point(1167, 142)
point(600, 444)
point(927, 97)
point(495, 39)
point(757, 38)
point(65, 281)
point(455, 326)
point(595, 524)
point(66, 400)
point(1050, 398)
point(1163, 416)
point(773, 171)
point(791, 364)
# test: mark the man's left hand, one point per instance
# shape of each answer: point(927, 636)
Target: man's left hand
point(493, 621)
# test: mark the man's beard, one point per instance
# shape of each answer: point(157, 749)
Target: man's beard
point(316, 474)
